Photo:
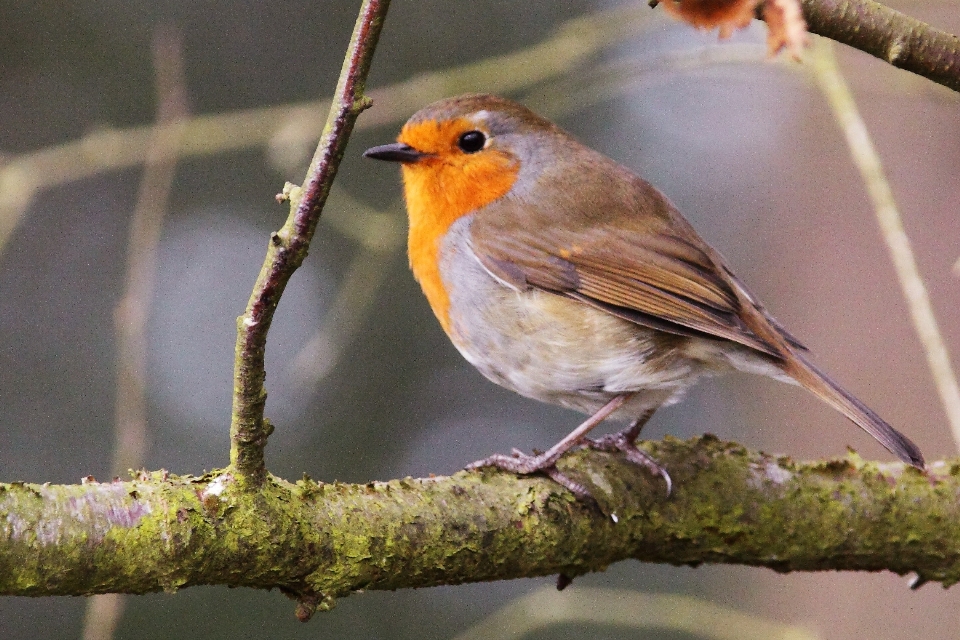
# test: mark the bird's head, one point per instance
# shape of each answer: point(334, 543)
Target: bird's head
point(462, 153)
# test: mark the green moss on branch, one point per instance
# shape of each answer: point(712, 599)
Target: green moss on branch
point(321, 541)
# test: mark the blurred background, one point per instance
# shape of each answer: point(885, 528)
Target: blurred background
point(363, 383)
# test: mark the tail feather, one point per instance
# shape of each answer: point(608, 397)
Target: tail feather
point(821, 385)
point(794, 363)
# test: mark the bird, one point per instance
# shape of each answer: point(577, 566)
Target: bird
point(564, 276)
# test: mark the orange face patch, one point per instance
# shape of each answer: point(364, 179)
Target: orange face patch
point(442, 187)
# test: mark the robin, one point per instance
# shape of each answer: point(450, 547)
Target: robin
point(563, 276)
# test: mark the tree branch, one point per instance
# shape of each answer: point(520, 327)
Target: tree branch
point(288, 248)
point(896, 38)
point(321, 541)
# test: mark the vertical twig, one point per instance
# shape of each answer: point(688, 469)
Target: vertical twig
point(288, 247)
point(865, 156)
point(131, 313)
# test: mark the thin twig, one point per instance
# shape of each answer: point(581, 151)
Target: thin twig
point(288, 248)
point(131, 313)
point(834, 87)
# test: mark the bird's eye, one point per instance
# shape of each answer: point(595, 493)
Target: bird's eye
point(472, 141)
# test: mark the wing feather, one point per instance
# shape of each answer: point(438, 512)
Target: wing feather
point(658, 279)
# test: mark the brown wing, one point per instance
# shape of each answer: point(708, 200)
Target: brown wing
point(661, 282)
point(645, 264)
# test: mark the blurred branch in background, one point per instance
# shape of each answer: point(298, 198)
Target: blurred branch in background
point(575, 43)
point(865, 157)
point(288, 131)
point(380, 235)
point(683, 615)
point(588, 86)
point(131, 313)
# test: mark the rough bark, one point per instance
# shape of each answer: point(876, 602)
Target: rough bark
point(322, 541)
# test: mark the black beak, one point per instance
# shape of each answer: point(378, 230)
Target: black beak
point(396, 152)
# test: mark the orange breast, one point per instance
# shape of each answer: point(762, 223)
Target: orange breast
point(442, 188)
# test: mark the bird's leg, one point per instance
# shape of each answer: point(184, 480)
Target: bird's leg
point(524, 464)
point(630, 434)
point(625, 441)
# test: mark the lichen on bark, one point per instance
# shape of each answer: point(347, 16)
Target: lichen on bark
point(322, 541)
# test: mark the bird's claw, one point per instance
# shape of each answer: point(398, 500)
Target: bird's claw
point(517, 462)
point(523, 464)
point(621, 442)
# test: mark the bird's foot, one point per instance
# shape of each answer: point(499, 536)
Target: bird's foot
point(518, 462)
point(624, 443)
point(525, 464)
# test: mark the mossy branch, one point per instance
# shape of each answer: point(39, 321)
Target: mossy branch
point(322, 541)
point(288, 248)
